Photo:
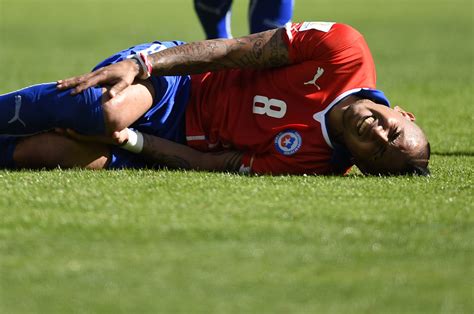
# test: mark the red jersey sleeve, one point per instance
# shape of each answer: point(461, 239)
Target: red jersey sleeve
point(322, 41)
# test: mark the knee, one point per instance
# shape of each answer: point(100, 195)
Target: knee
point(128, 106)
point(113, 117)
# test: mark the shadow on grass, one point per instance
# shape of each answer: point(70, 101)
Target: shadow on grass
point(456, 154)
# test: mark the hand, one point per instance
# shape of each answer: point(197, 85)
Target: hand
point(119, 75)
point(117, 138)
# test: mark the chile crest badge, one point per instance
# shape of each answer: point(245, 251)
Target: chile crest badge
point(288, 142)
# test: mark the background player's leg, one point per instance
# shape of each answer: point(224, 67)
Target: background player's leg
point(215, 17)
point(50, 150)
point(269, 14)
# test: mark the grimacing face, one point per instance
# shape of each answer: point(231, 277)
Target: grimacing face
point(381, 140)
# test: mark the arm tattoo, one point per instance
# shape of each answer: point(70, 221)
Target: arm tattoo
point(177, 156)
point(152, 150)
point(261, 50)
point(278, 51)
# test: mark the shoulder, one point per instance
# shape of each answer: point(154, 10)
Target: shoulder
point(321, 30)
point(315, 40)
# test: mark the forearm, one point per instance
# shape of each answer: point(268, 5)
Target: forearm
point(261, 50)
point(178, 156)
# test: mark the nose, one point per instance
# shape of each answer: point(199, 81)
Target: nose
point(380, 134)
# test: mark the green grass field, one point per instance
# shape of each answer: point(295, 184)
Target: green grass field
point(75, 241)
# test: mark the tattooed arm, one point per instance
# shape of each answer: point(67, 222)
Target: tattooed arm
point(168, 153)
point(261, 50)
point(178, 156)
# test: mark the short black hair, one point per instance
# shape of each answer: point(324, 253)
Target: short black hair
point(419, 166)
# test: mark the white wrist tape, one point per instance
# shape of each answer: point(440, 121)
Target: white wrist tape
point(134, 143)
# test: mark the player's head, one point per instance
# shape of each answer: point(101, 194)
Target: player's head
point(384, 140)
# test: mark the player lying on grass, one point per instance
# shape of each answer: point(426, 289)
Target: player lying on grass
point(293, 100)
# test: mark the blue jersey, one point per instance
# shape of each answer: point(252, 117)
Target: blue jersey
point(166, 117)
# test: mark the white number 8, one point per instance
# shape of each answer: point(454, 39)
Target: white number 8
point(274, 108)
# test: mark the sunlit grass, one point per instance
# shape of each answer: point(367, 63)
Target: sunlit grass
point(169, 241)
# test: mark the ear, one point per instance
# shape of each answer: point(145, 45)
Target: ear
point(410, 116)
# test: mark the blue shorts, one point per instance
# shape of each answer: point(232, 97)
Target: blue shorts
point(166, 117)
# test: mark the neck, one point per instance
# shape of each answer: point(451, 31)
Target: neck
point(335, 119)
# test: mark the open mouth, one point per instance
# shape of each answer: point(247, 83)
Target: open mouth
point(364, 124)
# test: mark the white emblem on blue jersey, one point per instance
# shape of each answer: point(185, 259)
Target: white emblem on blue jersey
point(288, 142)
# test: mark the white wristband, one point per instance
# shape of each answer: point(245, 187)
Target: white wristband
point(134, 143)
point(142, 65)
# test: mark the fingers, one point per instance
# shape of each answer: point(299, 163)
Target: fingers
point(118, 75)
point(73, 134)
point(60, 131)
point(69, 82)
point(78, 83)
point(120, 137)
point(118, 88)
point(86, 138)
point(117, 138)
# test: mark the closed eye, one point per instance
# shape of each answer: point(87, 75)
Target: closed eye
point(393, 137)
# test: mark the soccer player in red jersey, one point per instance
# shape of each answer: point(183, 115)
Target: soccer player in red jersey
point(294, 100)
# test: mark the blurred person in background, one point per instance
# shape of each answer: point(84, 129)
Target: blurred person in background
point(215, 16)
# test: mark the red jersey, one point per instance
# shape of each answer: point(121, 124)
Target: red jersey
point(277, 116)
